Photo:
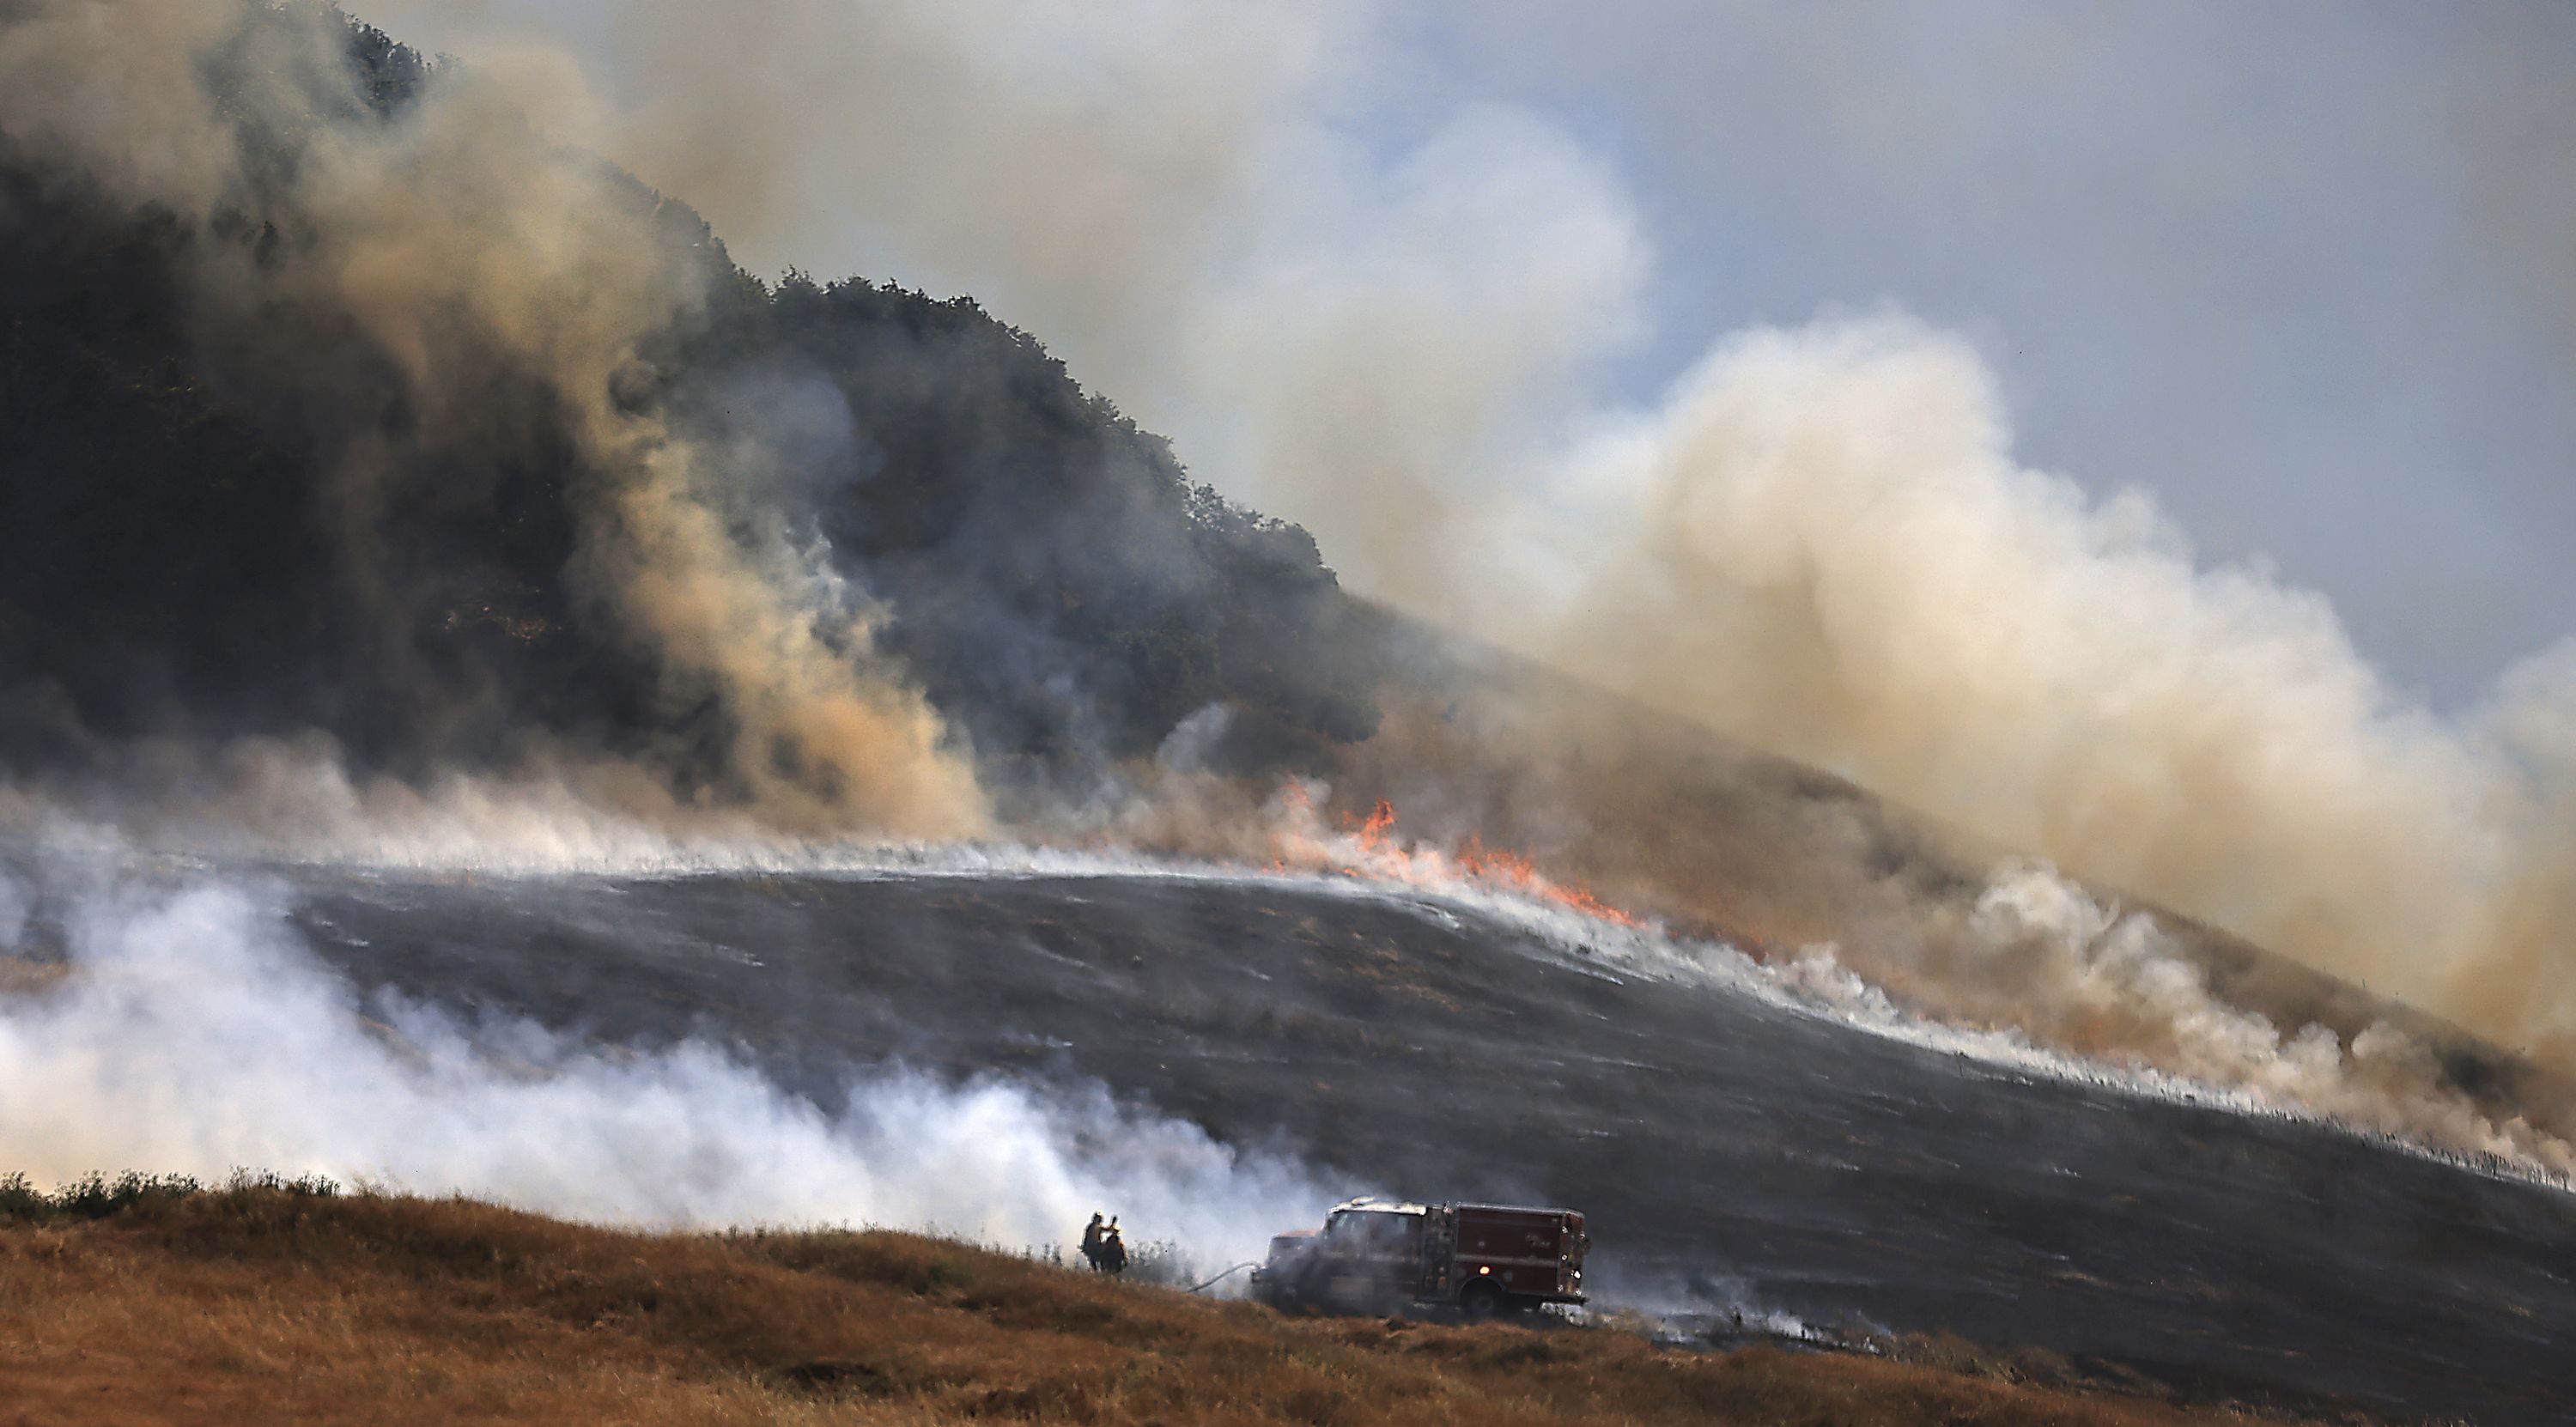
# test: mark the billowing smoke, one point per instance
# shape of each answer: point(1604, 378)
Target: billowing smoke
point(183, 1028)
point(1355, 327)
point(1820, 541)
point(451, 241)
point(2043, 958)
point(1832, 554)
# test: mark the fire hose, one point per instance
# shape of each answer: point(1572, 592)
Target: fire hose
point(1229, 1273)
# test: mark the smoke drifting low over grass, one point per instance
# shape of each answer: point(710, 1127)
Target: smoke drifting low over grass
point(175, 1021)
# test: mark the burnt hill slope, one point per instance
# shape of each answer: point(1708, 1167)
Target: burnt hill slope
point(1725, 1147)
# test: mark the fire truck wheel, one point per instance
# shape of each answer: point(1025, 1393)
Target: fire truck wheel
point(1482, 1301)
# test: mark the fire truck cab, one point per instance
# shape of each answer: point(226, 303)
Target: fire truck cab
point(1383, 1255)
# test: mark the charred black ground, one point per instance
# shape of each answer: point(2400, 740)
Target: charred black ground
point(1727, 1151)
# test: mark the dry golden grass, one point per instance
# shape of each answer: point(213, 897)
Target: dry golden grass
point(261, 1306)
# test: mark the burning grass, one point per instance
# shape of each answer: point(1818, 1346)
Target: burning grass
point(275, 1302)
point(1369, 848)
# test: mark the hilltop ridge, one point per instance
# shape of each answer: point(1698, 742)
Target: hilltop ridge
point(277, 1304)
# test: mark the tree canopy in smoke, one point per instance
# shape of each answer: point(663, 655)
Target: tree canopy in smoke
point(464, 451)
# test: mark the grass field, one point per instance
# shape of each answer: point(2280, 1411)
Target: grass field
point(277, 1303)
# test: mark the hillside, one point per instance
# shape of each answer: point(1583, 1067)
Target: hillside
point(249, 491)
point(274, 1304)
point(460, 632)
point(1730, 1150)
point(427, 450)
point(1669, 819)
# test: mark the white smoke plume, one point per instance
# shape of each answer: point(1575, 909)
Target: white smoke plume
point(191, 1033)
point(2055, 964)
point(1831, 552)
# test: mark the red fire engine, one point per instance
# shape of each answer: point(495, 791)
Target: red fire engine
point(1380, 1255)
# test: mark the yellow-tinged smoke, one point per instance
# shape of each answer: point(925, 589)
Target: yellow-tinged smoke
point(1829, 551)
point(456, 219)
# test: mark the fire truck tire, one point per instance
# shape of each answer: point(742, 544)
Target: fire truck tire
point(1482, 1301)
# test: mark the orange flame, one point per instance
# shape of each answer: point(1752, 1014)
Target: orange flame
point(1380, 855)
point(1373, 833)
point(1516, 872)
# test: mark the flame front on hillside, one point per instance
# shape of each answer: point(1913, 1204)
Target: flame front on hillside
point(1369, 848)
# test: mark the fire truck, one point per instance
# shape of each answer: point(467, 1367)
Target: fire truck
point(1384, 1256)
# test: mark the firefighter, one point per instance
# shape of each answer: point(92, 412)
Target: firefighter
point(1113, 1250)
point(1092, 1237)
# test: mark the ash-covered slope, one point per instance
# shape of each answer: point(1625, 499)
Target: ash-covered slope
point(1735, 1153)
